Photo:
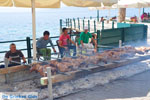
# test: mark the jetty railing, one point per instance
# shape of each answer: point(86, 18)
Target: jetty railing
point(28, 47)
point(90, 22)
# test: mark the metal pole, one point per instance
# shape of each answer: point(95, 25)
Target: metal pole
point(74, 23)
point(49, 83)
point(112, 24)
point(6, 61)
point(98, 37)
point(83, 24)
point(90, 17)
point(98, 15)
point(102, 25)
point(28, 48)
point(94, 26)
point(71, 23)
point(66, 23)
point(89, 25)
point(78, 23)
point(34, 29)
point(61, 26)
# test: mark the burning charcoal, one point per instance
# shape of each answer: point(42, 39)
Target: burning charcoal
point(70, 67)
point(140, 52)
point(82, 64)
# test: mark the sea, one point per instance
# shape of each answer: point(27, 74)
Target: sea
point(16, 23)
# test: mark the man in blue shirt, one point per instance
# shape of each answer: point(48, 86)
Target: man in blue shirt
point(42, 46)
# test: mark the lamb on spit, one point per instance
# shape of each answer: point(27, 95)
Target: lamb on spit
point(68, 64)
point(42, 69)
point(143, 49)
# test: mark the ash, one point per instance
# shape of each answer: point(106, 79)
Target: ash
point(89, 81)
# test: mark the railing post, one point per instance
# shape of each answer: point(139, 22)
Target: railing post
point(60, 26)
point(71, 23)
point(78, 23)
point(98, 37)
point(112, 24)
point(98, 15)
point(89, 25)
point(94, 26)
point(74, 23)
point(102, 25)
point(66, 23)
point(83, 24)
point(90, 17)
point(28, 48)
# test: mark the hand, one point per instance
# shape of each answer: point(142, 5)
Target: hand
point(24, 61)
point(54, 50)
point(66, 48)
point(95, 50)
point(82, 46)
point(9, 59)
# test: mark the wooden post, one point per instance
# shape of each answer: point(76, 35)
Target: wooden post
point(120, 43)
point(89, 25)
point(139, 19)
point(122, 15)
point(33, 29)
point(49, 83)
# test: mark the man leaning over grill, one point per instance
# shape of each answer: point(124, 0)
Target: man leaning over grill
point(14, 56)
point(42, 46)
point(84, 40)
point(63, 43)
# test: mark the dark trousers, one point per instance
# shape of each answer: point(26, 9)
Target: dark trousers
point(70, 47)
